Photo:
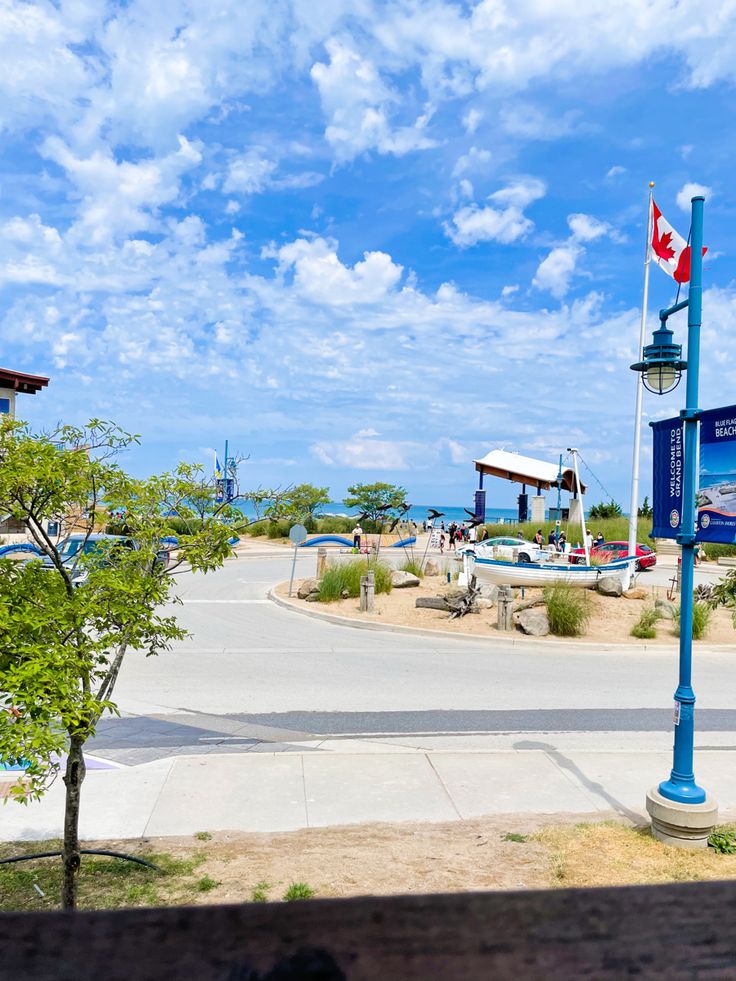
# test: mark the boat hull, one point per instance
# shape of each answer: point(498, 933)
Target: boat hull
point(501, 573)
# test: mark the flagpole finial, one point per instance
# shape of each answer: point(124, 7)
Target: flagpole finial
point(651, 183)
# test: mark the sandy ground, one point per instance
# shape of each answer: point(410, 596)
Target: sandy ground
point(610, 622)
point(371, 859)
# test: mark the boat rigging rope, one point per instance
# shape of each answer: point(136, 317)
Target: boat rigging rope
point(606, 492)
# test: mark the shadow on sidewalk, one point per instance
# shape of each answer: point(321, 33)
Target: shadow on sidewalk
point(564, 763)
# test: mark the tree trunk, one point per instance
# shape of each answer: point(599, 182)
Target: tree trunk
point(75, 771)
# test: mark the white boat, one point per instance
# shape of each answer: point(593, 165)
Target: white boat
point(503, 573)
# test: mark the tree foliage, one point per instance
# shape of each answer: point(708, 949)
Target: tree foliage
point(645, 511)
point(300, 503)
point(66, 623)
point(608, 509)
point(375, 500)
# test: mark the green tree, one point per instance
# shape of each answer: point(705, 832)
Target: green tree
point(66, 623)
point(645, 511)
point(376, 500)
point(610, 509)
point(302, 502)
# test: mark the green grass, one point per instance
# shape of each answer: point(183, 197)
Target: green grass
point(104, 883)
point(346, 576)
point(515, 836)
point(206, 884)
point(568, 609)
point(414, 567)
point(702, 613)
point(723, 840)
point(645, 627)
point(202, 835)
point(298, 890)
point(260, 892)
point(613, 530)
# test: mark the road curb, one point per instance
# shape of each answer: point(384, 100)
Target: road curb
point(514, 640)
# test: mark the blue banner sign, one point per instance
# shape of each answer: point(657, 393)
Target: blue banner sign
point(716, 504)
point(667, 478)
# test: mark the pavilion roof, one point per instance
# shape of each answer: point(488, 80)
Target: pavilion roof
point(19, 381)
point(526, 470)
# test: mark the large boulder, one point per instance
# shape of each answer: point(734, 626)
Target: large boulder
point(482, 603)
point(431, 568)
point(307, 586)
point(401, 579)
point(534, 622)
point(609, 586)
point(489, 591)
point(665, 608)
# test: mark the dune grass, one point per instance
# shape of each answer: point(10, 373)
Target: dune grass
point(645, 627)
point(344, 578)
point(568, 609)
point(702, 614)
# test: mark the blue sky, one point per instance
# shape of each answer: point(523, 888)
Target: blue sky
point(360, 240)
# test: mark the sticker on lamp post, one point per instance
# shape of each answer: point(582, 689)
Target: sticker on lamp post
point(676, 714)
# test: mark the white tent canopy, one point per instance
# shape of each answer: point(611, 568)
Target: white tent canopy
point(526, 470)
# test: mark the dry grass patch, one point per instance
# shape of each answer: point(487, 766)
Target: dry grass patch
point(611, 854)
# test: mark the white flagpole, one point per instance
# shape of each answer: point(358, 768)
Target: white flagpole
point(634, 505)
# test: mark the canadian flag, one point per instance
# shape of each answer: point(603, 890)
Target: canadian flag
point(668, 249)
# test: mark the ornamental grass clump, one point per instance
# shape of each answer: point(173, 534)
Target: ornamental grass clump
point(343, 579)
point(645, 627)
point(568, 609)
point(702, 613)
point(414, 567)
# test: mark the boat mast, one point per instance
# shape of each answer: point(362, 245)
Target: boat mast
point(582, 508)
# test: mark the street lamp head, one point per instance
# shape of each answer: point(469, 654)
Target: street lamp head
point(662, 366)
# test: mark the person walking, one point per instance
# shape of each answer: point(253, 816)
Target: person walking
point(452, 531)
point(551, 537)
point(589, 539)
point(357, 535)
point(538, 539)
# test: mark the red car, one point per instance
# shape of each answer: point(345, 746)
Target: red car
point(646, 557)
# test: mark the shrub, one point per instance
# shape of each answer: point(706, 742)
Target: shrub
point(702, 613)
point(568, 609)
point(335, 525)
point(277, 529)
point(346, 576)
point(414, 567)
point(645, 626)
point(298, 890)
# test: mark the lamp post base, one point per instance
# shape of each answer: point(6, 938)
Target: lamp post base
point(683, 825)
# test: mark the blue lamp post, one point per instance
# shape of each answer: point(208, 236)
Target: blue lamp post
point(661, 368)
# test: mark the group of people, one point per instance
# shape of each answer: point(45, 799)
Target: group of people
point(454, 535)
point(560, 543)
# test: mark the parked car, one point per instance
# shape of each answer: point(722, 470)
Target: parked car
point(646, 557)
point(73, 546)
point(506, 547)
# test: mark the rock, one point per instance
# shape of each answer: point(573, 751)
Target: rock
point(431, 603)
point(401, 579)
point(306, 587)
point(345, 593)
point(312, 598)
point(609, 586)
point(482, 603)
point(637, 593)
point(534, 622)
point(489, 591)
point(665, 609)
point(431, 568)
point(454, 592)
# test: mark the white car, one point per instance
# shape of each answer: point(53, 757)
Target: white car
point(506, 548)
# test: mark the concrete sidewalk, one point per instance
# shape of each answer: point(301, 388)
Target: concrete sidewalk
point(286, 791)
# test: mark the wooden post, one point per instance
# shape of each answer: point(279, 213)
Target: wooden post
point(505, 608)
point(321, 561)
point(368, 593)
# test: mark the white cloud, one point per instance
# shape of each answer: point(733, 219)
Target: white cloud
point(119, 198)
point(530, 123)
point(616, 171)
point(474, 159)
point(362, 451)
point(471, 119)
point(358, 106)
point(249, 173)
point(689, 191)
point(585, 228)
point(320, 276)
point(472, 224)
point(556, 269)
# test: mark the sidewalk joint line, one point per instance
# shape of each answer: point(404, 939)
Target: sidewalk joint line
point(159, 795)
point(453, 805)
point(304, 791)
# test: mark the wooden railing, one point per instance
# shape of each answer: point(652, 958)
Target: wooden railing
point(660, 932)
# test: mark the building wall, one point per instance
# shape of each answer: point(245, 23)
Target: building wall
point(7, 401)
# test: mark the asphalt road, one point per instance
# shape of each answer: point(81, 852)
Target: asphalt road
point(253, 676)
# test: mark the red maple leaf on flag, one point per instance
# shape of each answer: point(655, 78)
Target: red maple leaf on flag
point(661, 246)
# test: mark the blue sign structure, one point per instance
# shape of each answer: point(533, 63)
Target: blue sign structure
point(668, 459)
point(716, 500)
